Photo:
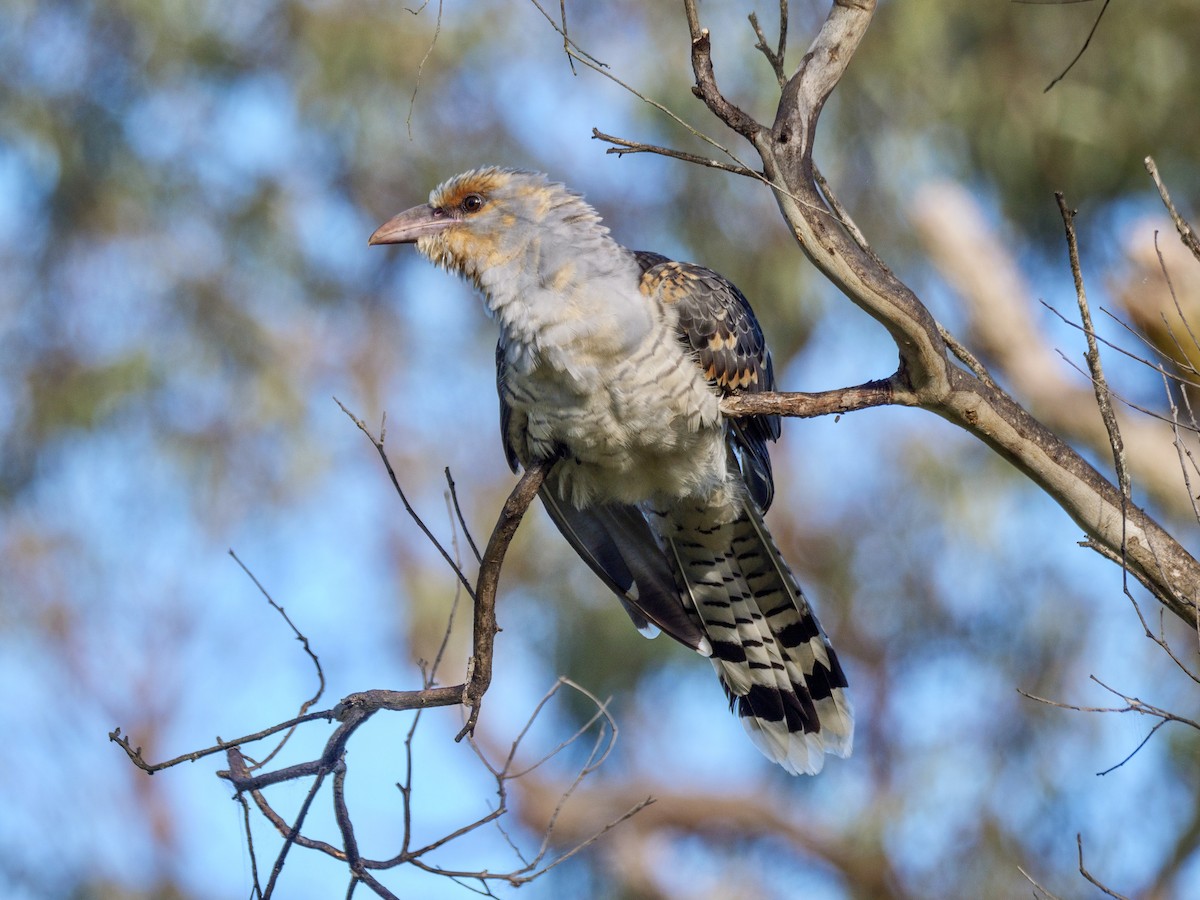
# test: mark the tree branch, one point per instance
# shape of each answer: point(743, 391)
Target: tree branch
point(1001, 325)
point(930, 378)
point(621, 146)
point(1099, 382)
point(1186, 233)
point(479, 670)
point(706, 82)
point(884, 392)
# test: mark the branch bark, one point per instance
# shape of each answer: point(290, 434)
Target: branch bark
point(479, 671)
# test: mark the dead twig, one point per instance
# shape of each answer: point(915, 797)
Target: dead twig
point(378, 444)
point(1088, 875)
point(1186, 233)
point(1132, 705)
point(621, 146)
point(774, 57)
point(1086, 42)
point(1099, 383)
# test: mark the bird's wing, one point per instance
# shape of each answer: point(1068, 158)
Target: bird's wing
point(617, 544)
point(510, 451)
point(716, 323)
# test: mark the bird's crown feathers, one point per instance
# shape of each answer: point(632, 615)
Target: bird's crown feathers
point(500, 218)
point(518, 195)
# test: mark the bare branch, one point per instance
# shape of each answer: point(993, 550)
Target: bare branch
point(1186, 233)
point(774, 57)
point(1086, 874)
point(706, 83)
point(479, 671)
point(888, 391)
point(377, 443)
point(1100, 508)
point(621, 146)
point(1086, 42)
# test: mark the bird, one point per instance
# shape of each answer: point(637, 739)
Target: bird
point(611, 365)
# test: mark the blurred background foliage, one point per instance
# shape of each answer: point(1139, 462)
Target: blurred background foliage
point(185, 195)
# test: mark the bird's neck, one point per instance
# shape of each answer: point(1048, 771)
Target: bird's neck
point(560, 297)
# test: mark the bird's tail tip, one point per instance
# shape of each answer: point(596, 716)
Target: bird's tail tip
point(802, 752)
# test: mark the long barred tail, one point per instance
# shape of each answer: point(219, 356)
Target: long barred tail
point(774, 661)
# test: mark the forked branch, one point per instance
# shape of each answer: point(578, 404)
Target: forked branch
point(249, 779)
point(927, 375)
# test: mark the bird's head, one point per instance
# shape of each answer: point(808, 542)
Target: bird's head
point(489, 219)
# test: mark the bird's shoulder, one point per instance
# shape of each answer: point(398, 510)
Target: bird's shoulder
point(713, 319)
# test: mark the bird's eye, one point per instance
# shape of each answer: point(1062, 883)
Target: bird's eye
point(471, 203)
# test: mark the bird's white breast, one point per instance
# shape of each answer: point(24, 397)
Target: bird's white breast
point(601, 376)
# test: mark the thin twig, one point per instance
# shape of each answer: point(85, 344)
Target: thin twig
point(1162, 265)
point(562, 12)
point(1155, 366)
point(1099, 383)
point(459, 515)
point(1086, 874)
point(601, 69)
point(1132, 704)
point(1182, 366)
point(966, 357)
point(293, 833)
point(621, 146)
point(571, 48)
point(1082, 49)
point(1181, 449)
point(307, 704)
point(774, 57)
point(1186, 233)
point(256, 891)
point(844, 219)
point(135, 753)
point(1041, 891)
point(378, 443)
point(1134, 751)
point(437, 30)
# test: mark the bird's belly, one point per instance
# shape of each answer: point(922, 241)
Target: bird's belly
point(628, 439)
point(653, 464)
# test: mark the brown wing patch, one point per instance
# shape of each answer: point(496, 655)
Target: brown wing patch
point(669, 281)
point(715, 321)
